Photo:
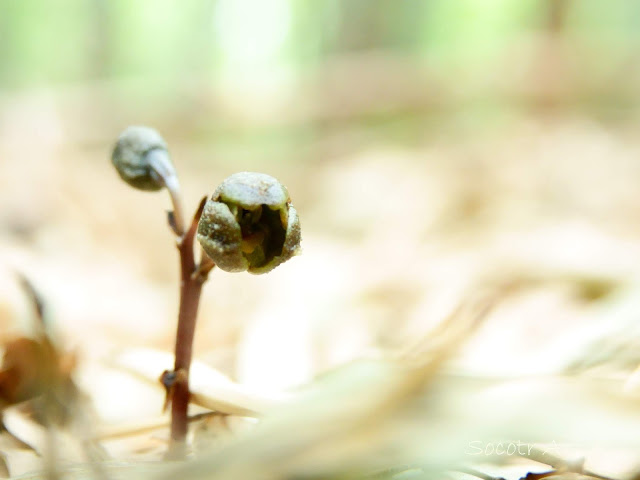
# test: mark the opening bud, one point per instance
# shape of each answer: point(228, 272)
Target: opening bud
point(249, 224)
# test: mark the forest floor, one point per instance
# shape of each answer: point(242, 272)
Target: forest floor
point(399, 231)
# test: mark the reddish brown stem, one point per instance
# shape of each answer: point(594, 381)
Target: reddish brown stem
point(190, 288)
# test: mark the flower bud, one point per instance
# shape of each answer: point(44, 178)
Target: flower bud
point(141, 159)
point(249, 224)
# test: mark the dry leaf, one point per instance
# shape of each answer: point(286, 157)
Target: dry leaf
point(209, 388)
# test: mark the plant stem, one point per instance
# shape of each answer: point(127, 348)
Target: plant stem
point(173, 188)
point(190, 289)
point(163, 169)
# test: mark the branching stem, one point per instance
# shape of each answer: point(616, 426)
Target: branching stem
point(190, 289)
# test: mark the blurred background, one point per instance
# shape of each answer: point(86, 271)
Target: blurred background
point(433, 149)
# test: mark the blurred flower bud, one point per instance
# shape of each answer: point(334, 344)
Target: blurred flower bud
point(141, 159)
point(249, 224)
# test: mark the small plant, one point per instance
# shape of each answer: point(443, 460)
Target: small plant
point(248, 224)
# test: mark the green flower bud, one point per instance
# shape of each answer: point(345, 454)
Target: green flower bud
point(141, 159)
point(249, 224)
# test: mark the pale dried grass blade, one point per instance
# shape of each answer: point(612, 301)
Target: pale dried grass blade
point(345, 423)
point(17, 457)
point(209, 388)
point(27, 430)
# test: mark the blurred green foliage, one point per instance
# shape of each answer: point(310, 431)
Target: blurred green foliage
point(71, 41)
point(249, 80)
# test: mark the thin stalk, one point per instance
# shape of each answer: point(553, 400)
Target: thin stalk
point(140, 427)
point(163, 170)
point(190, 289)
point(173, 187)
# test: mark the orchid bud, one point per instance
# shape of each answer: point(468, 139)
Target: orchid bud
point(142, 160)
point(249, 224)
